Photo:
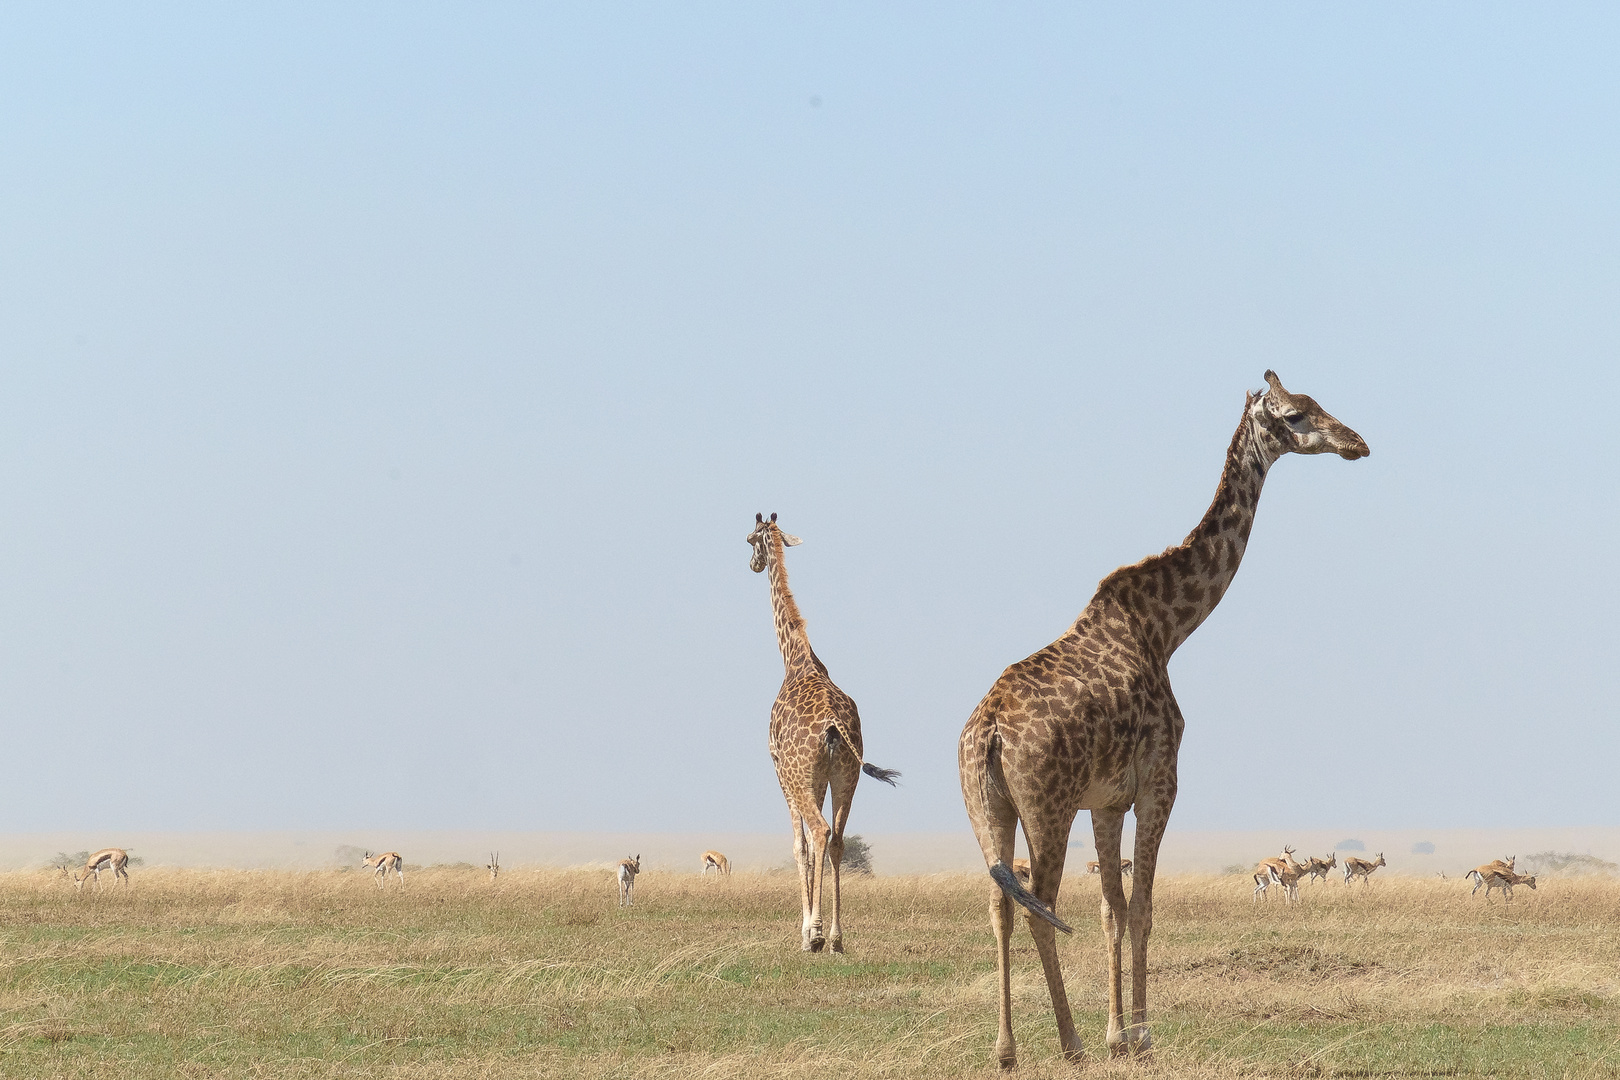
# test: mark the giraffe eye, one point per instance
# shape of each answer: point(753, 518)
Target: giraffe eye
point(1295, 418)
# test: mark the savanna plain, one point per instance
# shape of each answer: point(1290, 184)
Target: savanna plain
point(278, 974)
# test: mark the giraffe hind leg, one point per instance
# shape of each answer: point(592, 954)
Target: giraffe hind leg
point(1048, 845)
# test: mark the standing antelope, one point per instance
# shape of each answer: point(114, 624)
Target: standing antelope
point(1096, 868)
point(381, 863)
point(1505, 880)
point(1283, 871)
point(1485, 870)
point(1361, 868)
point(1319, 867)
point(716, 861)
point(494, 865)
point(628, 869)
point(114, 859)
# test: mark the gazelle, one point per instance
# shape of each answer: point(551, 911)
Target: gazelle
point(114, 859)
point(1361, 868)
point(1283, 871)
point(1316, 867)
point(1484, 870)
point(629, 867)
point(494, 865)
point(381, 863)
point(1096, 868)
point(716, 861)
point(1505, 880)
point(1021, 870)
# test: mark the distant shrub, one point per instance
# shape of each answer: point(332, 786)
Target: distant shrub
point(348, 855)
point(1234, 868)
point(1423, 847)
point(857, 856)
point(71, 862)
point(1350, 845)
point(1566, 863)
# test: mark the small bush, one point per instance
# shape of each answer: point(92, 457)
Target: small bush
point(857, 856)
point(1350, 845)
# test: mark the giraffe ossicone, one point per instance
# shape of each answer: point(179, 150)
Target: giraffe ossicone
point(1090, 723)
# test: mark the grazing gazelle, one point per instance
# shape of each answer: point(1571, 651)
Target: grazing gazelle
point(1096, 868)
point(114, 859)
point(716, 861)
point(1090, 721)
point(1021, 870)
point(1505, 880)
point(381, 863)
point(815, 743)
point(629, 867)
point(494, 865)
point(1316, 867)
point(1361, 868)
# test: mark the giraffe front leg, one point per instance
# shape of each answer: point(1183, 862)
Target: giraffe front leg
point(1107, 827)
point(1151, 818)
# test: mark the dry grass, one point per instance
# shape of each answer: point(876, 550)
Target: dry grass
point(204, 974)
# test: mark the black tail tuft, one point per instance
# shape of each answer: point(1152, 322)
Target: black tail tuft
point(1003, 875)
point(885, 775)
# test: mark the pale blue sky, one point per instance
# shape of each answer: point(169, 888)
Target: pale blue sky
point(385, 393)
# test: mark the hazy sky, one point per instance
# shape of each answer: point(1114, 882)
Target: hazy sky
point(386, 391)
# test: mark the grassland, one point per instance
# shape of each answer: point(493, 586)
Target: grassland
point(234, 974)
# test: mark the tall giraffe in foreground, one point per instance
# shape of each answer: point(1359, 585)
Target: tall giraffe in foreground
point(1090, 723)
point(815, 743)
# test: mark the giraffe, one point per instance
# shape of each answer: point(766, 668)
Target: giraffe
point(1090, 723)
point(815, 743)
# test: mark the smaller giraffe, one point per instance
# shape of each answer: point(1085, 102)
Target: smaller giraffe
point(1361, 868)
point(713, 860)
point(629, 867)
point(382, 863)
point(494, 865)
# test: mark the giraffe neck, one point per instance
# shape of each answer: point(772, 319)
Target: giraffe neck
point(1216, 545)
point(791, 636)
point(1170, 595)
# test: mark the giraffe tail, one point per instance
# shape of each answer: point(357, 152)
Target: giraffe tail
point(1003, 875)
point(885, 775)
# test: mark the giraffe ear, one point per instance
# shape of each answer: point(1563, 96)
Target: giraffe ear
point(789, 540)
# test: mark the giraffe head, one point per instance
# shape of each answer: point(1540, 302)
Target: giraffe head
point(1302, 426)
point(760, 540)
